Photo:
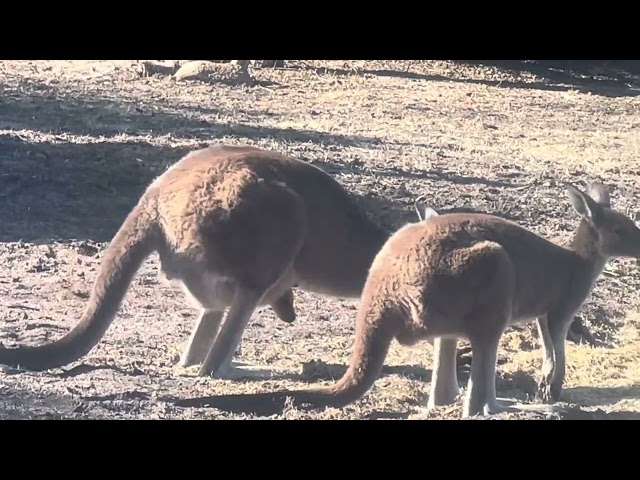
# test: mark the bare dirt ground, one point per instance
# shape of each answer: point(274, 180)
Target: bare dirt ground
point(79, 141)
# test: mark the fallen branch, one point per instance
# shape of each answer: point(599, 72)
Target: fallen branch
point(23, 307)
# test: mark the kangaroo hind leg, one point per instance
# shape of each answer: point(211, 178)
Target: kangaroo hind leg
point(444, 379)
point(268, 229)
point(201, 338)
point(218, 361)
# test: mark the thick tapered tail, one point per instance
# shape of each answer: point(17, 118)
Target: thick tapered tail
point(367, 359)
point(372, 343)
point(126, 252)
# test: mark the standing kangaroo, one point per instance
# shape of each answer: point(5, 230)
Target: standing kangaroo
point(238, 227)
point(469, 276)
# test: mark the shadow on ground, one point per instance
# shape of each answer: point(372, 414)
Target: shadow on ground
point(609, 78)
point(558, 75)
point(440, 174)
point(63, 191)
point(55, 187)
point(48, 109)
point(516, 389)
point(313, 371)
point(602, 395)
point(24, 405)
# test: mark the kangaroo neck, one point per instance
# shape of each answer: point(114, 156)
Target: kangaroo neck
point(585, 246)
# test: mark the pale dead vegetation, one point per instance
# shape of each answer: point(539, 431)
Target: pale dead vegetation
point(80, 140)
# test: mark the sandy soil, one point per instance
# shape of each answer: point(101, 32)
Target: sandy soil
point(79, 141)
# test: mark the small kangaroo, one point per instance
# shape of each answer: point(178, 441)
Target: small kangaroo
point(238, 227)
point(469, 275)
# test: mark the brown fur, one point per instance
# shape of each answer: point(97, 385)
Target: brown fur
point(239, 227)
point(469, 276)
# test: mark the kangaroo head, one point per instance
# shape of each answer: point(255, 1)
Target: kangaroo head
point(617, 234)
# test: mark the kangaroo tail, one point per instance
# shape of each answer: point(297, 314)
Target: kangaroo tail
point(126, 252)
point(372, 343)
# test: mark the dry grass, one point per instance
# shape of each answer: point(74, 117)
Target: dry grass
point(80, 140)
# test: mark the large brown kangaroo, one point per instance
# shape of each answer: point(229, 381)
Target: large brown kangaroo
point(468, 276)
point(238, 227)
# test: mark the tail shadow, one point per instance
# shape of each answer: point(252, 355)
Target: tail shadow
point(272, 403)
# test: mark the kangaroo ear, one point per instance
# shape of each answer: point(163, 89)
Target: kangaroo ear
point(429, 213)
point(586, 206)
point(600, 194)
